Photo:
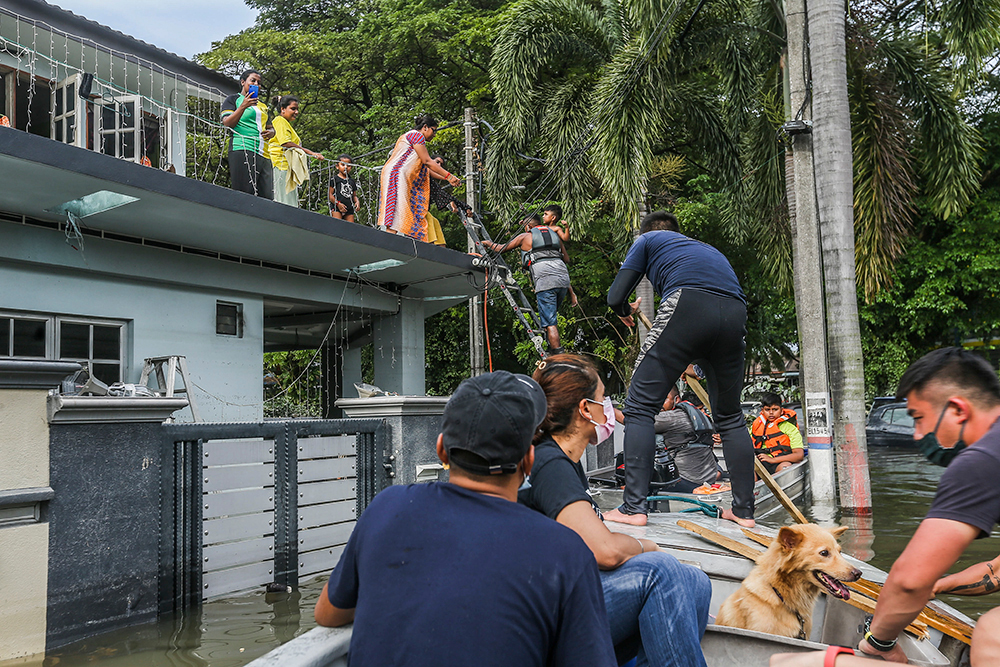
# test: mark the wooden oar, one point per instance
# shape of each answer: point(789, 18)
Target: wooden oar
point(917, 628)
point(776, 490)
point(645, 320)
point(935, 618)
point(699, 391)
point(742, 549)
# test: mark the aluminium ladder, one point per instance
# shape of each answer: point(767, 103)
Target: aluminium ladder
point(175, 364)
point(500, 275)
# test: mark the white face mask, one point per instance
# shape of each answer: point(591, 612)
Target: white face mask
point(602, 431)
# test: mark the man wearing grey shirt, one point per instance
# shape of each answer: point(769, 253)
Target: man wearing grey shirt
point(543, 246)
point(690, 447)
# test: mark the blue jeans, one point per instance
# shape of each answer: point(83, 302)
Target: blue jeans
point(548, 303)
point(662, 602)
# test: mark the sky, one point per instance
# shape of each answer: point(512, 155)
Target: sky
point(184, 27)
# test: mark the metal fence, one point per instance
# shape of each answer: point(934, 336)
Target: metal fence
point(246, 505)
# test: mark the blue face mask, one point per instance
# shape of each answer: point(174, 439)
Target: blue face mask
point(932, 449)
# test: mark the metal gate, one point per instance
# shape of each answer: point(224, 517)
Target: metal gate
point(244, 505)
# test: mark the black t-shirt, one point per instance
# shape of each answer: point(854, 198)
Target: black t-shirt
point(555, 481)
point(440, 575)
point(344, 190)
point(968, 491)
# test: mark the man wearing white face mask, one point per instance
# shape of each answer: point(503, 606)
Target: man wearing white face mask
point(657, 607)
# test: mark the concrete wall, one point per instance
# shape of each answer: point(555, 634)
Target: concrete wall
point(24, 472)
point(103, 562)
point(24, 438)
point(163, 320)
point(24, 452)
point(414, 425)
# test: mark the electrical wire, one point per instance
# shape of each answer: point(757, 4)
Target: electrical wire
point(486, 322)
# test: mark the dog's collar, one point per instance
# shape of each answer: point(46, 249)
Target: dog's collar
point(802, 621)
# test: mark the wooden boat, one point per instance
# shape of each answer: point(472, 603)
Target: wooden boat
point(834, 621)
point(794, 481)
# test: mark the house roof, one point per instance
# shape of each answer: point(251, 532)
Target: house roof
point(46, 15)
point(177, 213)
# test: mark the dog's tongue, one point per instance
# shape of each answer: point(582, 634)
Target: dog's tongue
point(837, 589)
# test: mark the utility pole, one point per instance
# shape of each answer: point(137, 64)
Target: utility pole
point(644, 289)
point(835, 202)
point(807, 258)
point(477, 357)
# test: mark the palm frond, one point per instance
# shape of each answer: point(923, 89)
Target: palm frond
point(949, 148)
point(971, 31)
point(884, 174)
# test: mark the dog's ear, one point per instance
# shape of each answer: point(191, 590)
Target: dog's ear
point(838, 531)
point(789, 538)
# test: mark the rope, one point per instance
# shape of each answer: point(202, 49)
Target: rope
point(713, 511)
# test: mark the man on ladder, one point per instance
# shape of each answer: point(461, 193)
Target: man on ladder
point(544, 255)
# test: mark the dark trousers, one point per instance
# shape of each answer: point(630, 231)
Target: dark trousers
point(691, 325)
point(251, 173)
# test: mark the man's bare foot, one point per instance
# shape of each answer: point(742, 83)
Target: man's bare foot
point(618, 516)
point(729, 516)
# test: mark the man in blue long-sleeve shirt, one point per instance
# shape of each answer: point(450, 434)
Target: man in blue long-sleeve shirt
point(702, 316)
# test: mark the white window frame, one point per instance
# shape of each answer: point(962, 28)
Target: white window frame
point(53, 329)
point(78, 115)
point(7, 346)
point(91, 360)
point(117, 133)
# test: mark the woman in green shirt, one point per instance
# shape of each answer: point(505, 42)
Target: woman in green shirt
point(246, 116)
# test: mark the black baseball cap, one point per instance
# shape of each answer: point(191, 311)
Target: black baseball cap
point(494, 417)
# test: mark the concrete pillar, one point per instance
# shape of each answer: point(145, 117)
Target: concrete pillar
point(350, 370)
point(176, 126)
point(414, 424)
point(330, 382)
point(24, 493)
point(399, 349)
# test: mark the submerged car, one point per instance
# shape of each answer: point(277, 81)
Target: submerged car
point(889, 426)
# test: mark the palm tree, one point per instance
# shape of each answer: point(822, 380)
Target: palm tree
point(600, 87)
point(903, 111)
point(911, 69)
point(834, 194)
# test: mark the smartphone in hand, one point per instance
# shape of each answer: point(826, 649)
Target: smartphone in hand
point(253, 90)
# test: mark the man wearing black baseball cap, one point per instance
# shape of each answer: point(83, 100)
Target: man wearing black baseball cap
point(458, 572)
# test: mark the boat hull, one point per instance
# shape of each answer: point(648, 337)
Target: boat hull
point(834, 622)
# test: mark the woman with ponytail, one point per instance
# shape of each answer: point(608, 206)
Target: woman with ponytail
point(656, 606)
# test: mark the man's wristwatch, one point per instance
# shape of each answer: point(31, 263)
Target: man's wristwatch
point(877, 644)
point(832, 653)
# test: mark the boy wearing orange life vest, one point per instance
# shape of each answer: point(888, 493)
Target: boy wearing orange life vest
point(775, 433)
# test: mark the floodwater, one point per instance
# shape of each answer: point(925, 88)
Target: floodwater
point(225, 633)
point(234, 631)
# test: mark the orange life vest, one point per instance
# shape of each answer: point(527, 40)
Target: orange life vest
point(768, 438)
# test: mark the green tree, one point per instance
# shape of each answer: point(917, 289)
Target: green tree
point(364, 69)
point(600, 89)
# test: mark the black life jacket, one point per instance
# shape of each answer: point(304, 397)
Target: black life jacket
point(664, 471)
point(545, 246)
point(703, 427)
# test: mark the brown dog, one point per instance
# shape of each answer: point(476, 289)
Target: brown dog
point(778, 595)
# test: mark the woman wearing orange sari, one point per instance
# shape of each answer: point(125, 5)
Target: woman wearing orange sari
point(405, 191)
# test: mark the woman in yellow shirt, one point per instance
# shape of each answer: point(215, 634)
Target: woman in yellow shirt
point(286, 138)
